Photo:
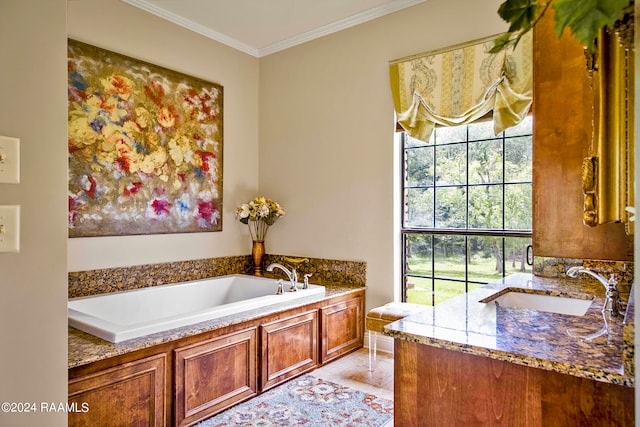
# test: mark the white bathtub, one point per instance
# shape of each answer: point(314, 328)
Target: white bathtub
point(120, 316)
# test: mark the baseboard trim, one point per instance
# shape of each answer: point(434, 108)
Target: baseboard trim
point(384, 343)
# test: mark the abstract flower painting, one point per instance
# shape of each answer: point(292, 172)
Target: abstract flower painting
point(145, 147)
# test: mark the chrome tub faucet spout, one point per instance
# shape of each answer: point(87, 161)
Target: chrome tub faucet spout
point(612, 299)
point(291, 275)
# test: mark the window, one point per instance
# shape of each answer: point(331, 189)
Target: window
point(466, 200)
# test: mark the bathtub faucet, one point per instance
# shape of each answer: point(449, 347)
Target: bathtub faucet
point(612, 299)
point(292, 275)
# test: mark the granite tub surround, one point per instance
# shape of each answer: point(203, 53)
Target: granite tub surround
point(347, 273)
point(93, 282)
point(527, 337)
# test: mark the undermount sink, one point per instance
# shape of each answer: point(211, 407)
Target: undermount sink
point(532, 301)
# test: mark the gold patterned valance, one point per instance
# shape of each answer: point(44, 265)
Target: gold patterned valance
point(460, 85)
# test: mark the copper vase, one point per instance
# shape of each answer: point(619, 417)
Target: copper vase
point(257, 253)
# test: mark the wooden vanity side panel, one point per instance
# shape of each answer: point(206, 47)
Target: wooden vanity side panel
point(131, 394)
point(214, 374)
point(289, 347)
point(568, 400)
point(342, 328)
point(437, 387)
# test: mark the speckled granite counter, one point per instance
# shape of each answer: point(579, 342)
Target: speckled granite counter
point(85, 348)
point(527, 337)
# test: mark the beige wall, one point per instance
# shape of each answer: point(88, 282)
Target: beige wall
point(33, 283)
point(326, 133)
point(130, 31)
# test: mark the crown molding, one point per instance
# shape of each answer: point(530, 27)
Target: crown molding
point(193, 26)
point(342, 24)
point(325, 30)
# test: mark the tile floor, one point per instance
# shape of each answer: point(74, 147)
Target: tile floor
point(352, 371)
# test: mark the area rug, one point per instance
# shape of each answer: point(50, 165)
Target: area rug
point(307, 401)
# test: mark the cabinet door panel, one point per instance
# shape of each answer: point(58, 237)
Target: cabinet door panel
point(289, 347)
point(131, 394)
point(342, 328)
point(214, 374)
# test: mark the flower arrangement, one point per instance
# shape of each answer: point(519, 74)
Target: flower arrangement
point(259, 214)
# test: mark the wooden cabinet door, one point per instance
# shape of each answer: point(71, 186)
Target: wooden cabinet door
point(214, 374)
point(289, 347)
point(342, 328)
point(131, 394)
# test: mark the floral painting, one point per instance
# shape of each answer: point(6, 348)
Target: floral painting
point(145, 147)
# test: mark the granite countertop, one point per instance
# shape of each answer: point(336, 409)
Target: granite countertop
point(85, 348)
point(529, 337)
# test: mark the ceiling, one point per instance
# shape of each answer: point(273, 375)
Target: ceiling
point(262, 27)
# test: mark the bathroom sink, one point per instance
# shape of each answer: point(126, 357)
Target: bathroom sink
point(542, 302)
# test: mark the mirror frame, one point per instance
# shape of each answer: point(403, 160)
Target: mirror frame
point(608, 172)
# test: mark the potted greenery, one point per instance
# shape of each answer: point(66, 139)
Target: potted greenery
point(584, 18)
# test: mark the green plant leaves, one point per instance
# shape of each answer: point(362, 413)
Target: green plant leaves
point(503, 41)
point(520, 14)
point(585, 17)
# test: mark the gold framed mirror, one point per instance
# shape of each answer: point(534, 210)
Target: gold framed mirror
point(607, 173)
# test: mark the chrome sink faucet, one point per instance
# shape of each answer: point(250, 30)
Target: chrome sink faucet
point(291, 274)
point(612, 298)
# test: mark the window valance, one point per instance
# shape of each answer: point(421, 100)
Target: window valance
point(460, 85)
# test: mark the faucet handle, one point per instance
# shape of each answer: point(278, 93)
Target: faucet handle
point(280, 290)
point(306, 281)
point(613, 280)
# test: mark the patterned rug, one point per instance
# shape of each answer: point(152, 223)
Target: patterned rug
point(307, 401)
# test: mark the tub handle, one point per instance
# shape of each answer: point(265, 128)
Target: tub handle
point(306, 281)
point(280, 290)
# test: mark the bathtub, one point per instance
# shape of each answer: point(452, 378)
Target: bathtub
point(121, 316)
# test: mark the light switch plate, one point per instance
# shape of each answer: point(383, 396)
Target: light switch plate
point(9, 160)
point(10, 228)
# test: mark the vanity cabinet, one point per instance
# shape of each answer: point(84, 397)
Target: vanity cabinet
point(342, 328)
point(130, 394)
point(215, 374)
point(189, 379)
point(289, 347)
point(437, 387)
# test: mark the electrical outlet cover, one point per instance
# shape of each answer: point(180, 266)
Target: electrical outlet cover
point(9, 160)
point(10, 228)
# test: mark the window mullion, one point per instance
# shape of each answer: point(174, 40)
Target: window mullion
point(504, 171)
point(466, 238)
point(433, 269)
